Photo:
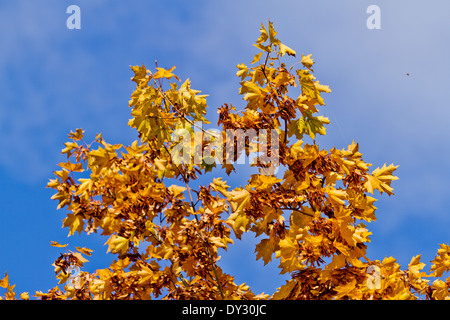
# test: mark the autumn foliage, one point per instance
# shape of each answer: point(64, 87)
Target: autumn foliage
point(167, 236)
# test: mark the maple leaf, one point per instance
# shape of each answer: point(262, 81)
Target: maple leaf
point(263, 182)
point(414, 268)
point(308, 124)
point(74, 222)
point(24, 296)
point(264, 36)
point(177, 191)
point(69, 148)
point(220, 186)
point(288, 254)
point(441, 290)
point(286, 50)
point(208, 163)
point(99, 157)
point(256, 58)
point(4, 283)
point(79, 257)
point(56, 244)
point(307, 61)
point(239, 198)
point(63, 277)
point(272, 34)
point(380, 179)
point(286, 290)
point(265, 249)
point(238, 220)
point(85, 251)
point(441, 263)
point(338, 261)
point(243, 71)
point(229, 167)
point(77, 135)
point(117, 244)
point(163, 73)
point(76, 167)
point(140, 73)
point(345, 289)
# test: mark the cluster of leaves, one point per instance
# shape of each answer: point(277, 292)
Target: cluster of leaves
point(167, 236)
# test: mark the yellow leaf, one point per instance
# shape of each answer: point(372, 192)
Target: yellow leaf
point(24, 296)
point(177, 191)
point(361, 235)
point(345, 289)
point(303, 218)
point(218, 242)
point(243, 71)
point(440, 290)
point(80, 258)
point(265, 249)
point(77, 135)
point(76, 167)
point(264, 36)
point(307, 61)
point(74, 222)
point(263, 48)
point(98, 157)
point(56, 244)
point(372, 184)
point(380, 179)
point(337, 262)
point(117, 244)
point(288, 254)
point(415, 266)
point(69, 147)
point(63, 174)
point(263, 182)
point(341, 247)
point(163, 73)
point(53, 183)
point(285, 291)
point(256, 57)
point(356, 262)
point(336, 197)
point(120, 264)
point(441, 263)
point(4, 283)
point(85, 251)
point(220, 186)
point(239, 198)
point(296, 149)
point(239, 222)
point(285, 49)
point(388, 262)
point(63, 277)
point(272, 34)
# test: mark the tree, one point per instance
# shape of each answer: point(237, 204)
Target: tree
point(168, 236)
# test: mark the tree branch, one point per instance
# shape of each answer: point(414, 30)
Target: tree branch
point(205, 243)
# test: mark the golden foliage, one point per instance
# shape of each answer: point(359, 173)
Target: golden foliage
point(168, 237)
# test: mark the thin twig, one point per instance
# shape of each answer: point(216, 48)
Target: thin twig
point(205, 243)
point(306, 214)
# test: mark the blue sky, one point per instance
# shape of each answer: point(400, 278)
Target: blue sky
point(53, 80)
